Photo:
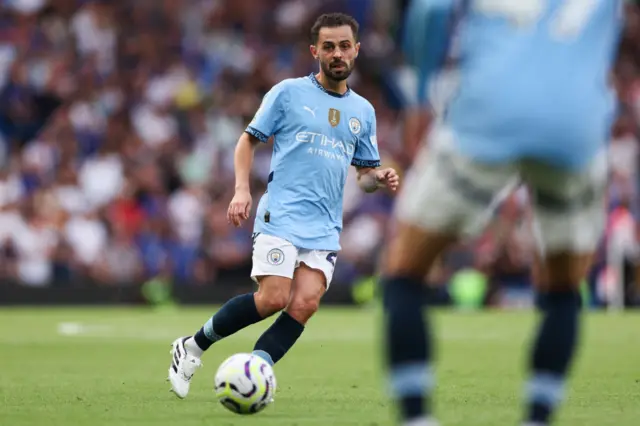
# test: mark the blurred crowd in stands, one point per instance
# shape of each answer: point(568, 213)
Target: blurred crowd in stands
point(118, 121)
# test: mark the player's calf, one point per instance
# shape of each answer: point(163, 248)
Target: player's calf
point(409, 346)
point(233, 316)
point(238, 313)
point(309, 285)
point(552, 353)
point(409, 343)
point(555, 344)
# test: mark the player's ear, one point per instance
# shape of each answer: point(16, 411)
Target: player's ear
point(314, 51)
point(357, 48)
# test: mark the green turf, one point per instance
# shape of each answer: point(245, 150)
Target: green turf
point(110, 369)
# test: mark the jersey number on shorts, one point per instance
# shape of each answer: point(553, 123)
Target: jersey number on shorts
point(331, 258)
point(569, 21)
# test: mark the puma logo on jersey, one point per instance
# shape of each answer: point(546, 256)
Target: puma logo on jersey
point(311, 111)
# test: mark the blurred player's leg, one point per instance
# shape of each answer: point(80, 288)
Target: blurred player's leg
point(570, 211)
point(308, 288)
point(445, 195)
point(409, 342)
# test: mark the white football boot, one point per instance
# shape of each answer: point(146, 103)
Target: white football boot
point(183, 366)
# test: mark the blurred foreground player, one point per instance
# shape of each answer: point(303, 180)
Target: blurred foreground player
point(533, 101)
point(320, 128)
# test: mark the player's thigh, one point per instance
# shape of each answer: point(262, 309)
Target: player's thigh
point(321, 262)
point(413, 250)
point(449, 193)
point(310, 283)
point(274, 262)
point(570, 213)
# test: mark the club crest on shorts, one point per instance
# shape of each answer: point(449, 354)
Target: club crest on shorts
point(275, 256)
point(334, 117)
point(354, 125)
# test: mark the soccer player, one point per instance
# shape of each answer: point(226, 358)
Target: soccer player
point(320, 127)
point(533, 101)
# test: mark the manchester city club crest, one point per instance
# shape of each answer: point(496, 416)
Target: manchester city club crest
point(354, 125)
point(275, 256)
point(334, 117)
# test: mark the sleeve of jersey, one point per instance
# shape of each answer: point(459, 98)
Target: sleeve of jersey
point(428, 30)
point(366, 154)
point(269, 117)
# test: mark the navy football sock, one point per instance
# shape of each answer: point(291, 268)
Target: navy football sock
point(408, 346)
point(236, 314)
point(279, 338)
point(552, 354)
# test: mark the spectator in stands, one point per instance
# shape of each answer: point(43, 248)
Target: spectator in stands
point(118, 121)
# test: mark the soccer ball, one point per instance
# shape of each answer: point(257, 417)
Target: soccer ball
point(245, 384)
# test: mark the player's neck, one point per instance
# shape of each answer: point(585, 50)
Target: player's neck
point(339, 87)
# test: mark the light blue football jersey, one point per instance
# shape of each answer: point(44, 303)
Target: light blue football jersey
point(533, 74)
point(317, 135)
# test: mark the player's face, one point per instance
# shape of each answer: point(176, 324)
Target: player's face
point(336, 50)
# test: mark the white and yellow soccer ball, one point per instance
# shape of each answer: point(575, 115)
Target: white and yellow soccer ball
point(245, 384)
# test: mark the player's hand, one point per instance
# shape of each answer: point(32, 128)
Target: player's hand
point(239, 208)
point(387, 178)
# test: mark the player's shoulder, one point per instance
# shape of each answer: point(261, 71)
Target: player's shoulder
point(362, 102)
point(289, 84)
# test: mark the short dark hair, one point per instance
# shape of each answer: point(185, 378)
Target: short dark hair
point(333, 20)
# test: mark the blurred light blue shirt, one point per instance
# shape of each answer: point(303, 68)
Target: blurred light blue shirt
point(532, 74)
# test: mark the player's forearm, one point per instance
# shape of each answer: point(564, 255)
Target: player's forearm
point(367, 180)
point(243, 161)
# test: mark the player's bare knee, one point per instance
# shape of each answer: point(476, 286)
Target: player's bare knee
point(303, 309)
point(270, 303)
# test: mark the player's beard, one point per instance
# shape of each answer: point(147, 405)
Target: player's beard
point(337, 74)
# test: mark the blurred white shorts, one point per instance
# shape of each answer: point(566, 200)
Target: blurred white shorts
point(446, 191)
point(277, 256)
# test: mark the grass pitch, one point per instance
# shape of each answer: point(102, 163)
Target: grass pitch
point(108, 367)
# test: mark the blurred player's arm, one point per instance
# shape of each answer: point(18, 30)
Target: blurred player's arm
point(265, 123)
point(428, 30)
point(416, 123)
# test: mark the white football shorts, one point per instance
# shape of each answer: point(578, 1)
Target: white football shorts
point(449, 192)
point(276, 256)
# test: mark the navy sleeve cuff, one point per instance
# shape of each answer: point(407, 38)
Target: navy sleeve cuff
point(257, 134)
point(365, 163)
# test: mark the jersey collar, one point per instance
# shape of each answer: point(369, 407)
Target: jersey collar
point(315, 81)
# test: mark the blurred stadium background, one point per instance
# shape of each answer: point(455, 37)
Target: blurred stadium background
point(118, 121)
